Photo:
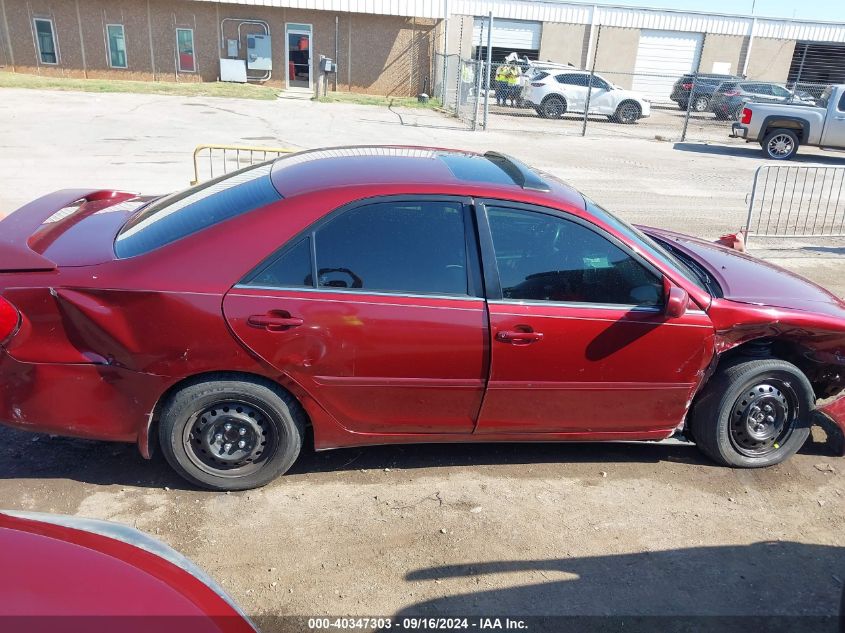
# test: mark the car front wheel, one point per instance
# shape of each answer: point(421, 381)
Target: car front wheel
point(231, 434)
point(627, 113)
point(781, 144)
point(753, 413)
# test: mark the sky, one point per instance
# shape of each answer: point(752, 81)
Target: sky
point(829, 10)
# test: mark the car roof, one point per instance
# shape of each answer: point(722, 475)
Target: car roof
point(417, 168)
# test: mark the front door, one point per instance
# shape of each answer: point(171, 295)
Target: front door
point(298, 56)
point(377, 313)
point(579, 341)
point(834, 125)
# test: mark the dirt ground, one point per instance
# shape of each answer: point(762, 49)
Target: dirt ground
point(593, 530)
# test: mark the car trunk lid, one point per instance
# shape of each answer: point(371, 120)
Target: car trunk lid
point(71, 227)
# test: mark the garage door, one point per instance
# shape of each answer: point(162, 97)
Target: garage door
point(512, 34)
point(662, 57)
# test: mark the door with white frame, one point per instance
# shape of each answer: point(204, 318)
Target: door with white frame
point(298, 56)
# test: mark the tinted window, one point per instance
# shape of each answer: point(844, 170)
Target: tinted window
point(545, 258)
point(180, 214)
point(291, 269)
point(841, 106)
point(395, 247)
point(778, 91)
point(601, 84)
point(572, 80)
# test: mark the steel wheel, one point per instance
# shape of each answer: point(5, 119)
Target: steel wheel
point(230, 438)
point(780, 146)
point(763, 418)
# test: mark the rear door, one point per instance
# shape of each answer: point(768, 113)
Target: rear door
point(574, 87)
point(580, 343)
point(376, 311)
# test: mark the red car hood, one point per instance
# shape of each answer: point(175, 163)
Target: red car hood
point(747, 279)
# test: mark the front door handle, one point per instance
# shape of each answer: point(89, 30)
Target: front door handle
point(519, 337)
point(274, 322)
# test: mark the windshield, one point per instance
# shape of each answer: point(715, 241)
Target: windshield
point(691, 273)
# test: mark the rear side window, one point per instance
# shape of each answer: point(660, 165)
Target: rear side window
point(401, 247)
point(572, 80)
point(417, 247)
point(181, 214)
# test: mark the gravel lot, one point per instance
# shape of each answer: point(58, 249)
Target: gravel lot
point(614, 529)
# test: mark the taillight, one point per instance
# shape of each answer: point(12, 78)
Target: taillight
point(746, 116)
point(9, 320)
point(686, 86)
point(731, 93)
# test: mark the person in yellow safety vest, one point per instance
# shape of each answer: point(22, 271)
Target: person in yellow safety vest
point(513, 83)
point(467, 79)
point(501, 84)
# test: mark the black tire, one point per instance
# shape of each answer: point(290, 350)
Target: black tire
point(683, 105)
point(197, 421)
point(721, 116)
point(753, 413)
point(553, 107)
point(700, 103)
point(781, 144)
point(627, 112)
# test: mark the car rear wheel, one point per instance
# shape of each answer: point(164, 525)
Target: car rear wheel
point(627, 112)
point(753, 413)
point(553, 107)
point(231, 434)
point(781, 144)
point(700, 104)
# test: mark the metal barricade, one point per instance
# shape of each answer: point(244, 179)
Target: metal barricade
point(211, 161)
point(797, 201)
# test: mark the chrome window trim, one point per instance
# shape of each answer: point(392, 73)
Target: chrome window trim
point(627, 307)
point(377, 293)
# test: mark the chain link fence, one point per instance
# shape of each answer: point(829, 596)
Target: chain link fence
point(600, 91)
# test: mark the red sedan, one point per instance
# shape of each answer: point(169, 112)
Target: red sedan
point(385, 295)
point(65, 573)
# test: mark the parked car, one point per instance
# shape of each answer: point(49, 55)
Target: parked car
point(378, 295)
point(705, 85)
point(63, 573)
point(730, 97)
point(781, 129)
point(554, 94)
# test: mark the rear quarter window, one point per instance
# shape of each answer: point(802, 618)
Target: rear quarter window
point(181, 214)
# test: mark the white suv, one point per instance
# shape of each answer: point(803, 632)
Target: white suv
point(553, 93)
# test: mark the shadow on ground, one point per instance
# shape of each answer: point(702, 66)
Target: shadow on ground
point(752, 150)
point(768, 586)
point(36, 456)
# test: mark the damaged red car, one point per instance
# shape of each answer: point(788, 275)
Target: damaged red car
point(375, 295)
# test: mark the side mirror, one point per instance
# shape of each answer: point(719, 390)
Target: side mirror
point(677, 300)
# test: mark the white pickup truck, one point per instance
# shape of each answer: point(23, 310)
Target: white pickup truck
point(781, 128)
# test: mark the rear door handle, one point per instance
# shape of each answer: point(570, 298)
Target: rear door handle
point(274, 322)
point(518, 337)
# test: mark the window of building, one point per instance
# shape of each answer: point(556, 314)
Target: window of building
point(46, 39)
point(185, 50)
point(545, 258)
point(117, 46)
point(407, 247)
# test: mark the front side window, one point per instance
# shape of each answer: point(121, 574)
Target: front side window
point(545, 258)
point(406, 247)
point(185, 50)
point(46, 40)
point(178, 215)
point(117, 46)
